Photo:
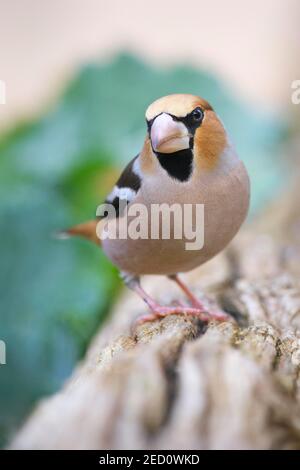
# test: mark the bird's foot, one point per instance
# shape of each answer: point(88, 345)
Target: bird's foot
point(161, 312)
point(213, 313)
point(157, 311)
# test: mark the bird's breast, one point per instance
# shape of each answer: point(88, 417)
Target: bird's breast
point(223, 200)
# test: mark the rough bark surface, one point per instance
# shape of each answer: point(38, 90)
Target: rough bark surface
point(177, 383)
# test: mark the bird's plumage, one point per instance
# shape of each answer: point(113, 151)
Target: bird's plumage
point(224, 191)
point(187, 158)
point(178, 105)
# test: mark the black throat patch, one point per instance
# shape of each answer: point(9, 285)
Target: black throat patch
point(179, 165)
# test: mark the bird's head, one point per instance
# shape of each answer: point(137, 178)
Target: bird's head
point(184, 132)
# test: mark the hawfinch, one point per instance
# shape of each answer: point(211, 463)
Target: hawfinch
point(187, 159)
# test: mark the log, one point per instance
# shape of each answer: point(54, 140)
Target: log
point(177, 383)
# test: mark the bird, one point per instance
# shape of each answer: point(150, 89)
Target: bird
point(187, 158)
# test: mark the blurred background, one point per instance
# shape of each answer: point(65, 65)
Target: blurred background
point(79, 75)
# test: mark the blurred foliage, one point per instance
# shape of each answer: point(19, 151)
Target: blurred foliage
point(53, 173)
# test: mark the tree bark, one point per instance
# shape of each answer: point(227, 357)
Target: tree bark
point(177, 383)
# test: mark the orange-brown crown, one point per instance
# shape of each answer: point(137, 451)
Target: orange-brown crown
point(178, 105)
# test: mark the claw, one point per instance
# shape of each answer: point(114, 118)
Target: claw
point(214, 314)
point(161, 312)
point(157, 312)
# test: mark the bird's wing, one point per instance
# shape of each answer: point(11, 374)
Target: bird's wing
point(125, 189)
point(127, 186)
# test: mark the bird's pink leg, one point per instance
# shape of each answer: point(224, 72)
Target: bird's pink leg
point(213, 314)
point(159, 311)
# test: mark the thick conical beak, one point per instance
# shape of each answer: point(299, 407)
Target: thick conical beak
point(167, 135)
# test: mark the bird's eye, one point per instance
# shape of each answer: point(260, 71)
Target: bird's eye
point(197, 114)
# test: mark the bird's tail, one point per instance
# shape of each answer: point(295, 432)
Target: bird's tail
point(86, 230)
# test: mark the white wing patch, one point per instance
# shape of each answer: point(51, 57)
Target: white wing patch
point(122, 193)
